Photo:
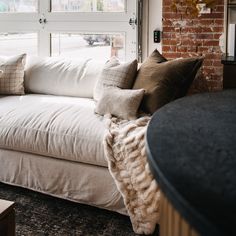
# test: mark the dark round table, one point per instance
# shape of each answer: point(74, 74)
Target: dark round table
point(191, 146)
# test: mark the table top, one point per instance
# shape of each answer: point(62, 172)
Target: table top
point(5, 207)
point(191, 146)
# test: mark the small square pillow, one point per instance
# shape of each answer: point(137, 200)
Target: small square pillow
point(123, 103)
point(117, 75)
point(165, 81)
point(12, 75)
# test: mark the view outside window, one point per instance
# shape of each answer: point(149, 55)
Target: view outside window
point(101, 44)
point(17, 43)
point(97, 46)
point(88, 5)
point(12, 6)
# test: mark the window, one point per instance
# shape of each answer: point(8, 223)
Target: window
point(90, 45)
point(69, 28)
point(88, 6)
point(18, 6)
point(17, 43)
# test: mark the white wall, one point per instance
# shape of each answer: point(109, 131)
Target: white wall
point(155, 22)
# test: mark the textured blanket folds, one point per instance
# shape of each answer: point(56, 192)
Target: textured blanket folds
point(127, 162)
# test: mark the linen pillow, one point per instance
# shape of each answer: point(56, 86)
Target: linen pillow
point(115, 74)
point(12, 75)
point(123, 103)
point(166, 81)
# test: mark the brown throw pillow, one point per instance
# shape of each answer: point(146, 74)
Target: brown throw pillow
point(156, 57)
point(123, 103)
point(117, 75)
point(12, 75)
point(166, 81)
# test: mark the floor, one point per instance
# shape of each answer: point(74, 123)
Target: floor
point(40, 215)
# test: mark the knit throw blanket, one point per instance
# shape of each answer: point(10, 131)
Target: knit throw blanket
point(127, 163)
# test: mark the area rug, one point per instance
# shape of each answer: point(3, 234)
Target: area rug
point(38, 215)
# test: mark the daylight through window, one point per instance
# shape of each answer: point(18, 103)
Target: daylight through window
point(88, 6)
point(17, 43)
point(69, 28)
point(18, 5)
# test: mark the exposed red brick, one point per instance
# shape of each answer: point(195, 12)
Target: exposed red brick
point(169, 48)
point(213, 56)
point(218, 29)
point(217, 36)
point(219, 22)
point(211, 43)
point(204, 36)
point(213, 15)
point(217, 63)
point(207, 62)
point(172, 55)
point(170, 42)
point(184, 36)
point(219, 8)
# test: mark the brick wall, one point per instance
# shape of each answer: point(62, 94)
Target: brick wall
point(184, 36)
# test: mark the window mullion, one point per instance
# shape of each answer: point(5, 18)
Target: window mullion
point(44, 43)
point(44, 47)
point(44, 6)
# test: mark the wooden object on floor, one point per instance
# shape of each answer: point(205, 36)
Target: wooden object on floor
point(7, 218)
point(230, 18)
point(229, 72)
point(172, 223)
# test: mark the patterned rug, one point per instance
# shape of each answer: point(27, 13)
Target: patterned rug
point(41, 215)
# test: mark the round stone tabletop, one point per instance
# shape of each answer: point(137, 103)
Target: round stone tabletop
point(191, 146)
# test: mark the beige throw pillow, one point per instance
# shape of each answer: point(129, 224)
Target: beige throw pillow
point(12, 75)
point(123, 103)
point(117, 75)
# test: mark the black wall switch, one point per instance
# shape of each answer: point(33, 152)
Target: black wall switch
point(157, 36)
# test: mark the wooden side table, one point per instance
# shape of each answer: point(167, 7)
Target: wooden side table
point(7, 218)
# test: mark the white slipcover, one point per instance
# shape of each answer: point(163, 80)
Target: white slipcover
point(89, 184)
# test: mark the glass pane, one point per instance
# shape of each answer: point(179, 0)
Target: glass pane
point(17, 43)
point(88, 5)
point(11, 6)
point(97, 46)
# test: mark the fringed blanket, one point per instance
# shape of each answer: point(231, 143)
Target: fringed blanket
point(127, 162)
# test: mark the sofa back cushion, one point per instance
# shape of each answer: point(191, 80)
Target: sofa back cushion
point(62, 77)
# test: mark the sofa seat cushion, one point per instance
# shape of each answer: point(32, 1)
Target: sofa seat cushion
point(56, 126)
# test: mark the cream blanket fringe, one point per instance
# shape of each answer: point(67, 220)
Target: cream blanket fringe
point(127, 163)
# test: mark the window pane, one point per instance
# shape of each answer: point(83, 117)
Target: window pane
point(11, 6)
point(17, 43)
point(88, 5)
point(97, 46)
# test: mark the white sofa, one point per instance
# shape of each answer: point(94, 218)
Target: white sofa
point(51, 140)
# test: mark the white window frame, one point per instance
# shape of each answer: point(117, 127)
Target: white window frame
point(63, 22)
